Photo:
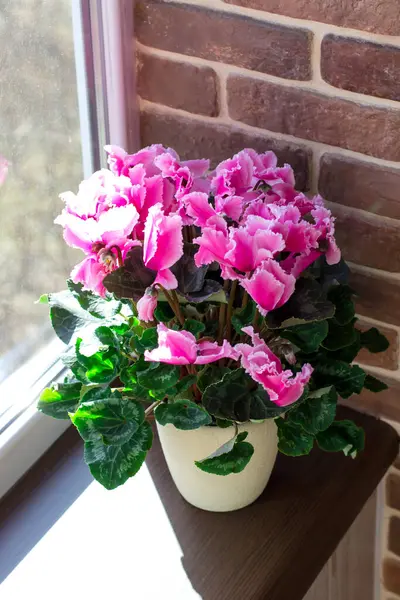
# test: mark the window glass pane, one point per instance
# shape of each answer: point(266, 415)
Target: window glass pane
point(40, 137)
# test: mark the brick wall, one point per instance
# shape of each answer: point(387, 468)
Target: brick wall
point(318, 82)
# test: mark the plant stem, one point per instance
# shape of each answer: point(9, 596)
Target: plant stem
point(175, 308)
point(221, 318)
point(255, 320)
point(245, 299)
point(150, 408)
point(230, 309)
point(178, 307)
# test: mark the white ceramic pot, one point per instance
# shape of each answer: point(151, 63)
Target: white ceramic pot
point(215, 492)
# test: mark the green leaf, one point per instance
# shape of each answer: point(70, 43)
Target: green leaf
point(317, 412)
point(183, 414)
point(185, 383)
point(342, 436)
point(113, 464)
point(147, 341)
point(307, 337)
point(69, 319)
point(194, 327)
point(340, 336)
point(232, 457)
point(106, 413)
point(238, 398)
point(374, 385)
point(192, 282)
point(161, 377)
point(341, 296)
point(163, 312)
point(211, 374)
point(347, 379)
point(307, 303)
point(374, 340)
point(101, 308)
point(100, 367)
point(292, 439)
point(243, 317)
point(348, 353)
point(60, 399)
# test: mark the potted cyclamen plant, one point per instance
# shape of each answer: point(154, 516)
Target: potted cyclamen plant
point(215, 303)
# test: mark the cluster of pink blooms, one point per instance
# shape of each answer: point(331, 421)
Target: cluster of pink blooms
point(181, 348)
point(248, 218)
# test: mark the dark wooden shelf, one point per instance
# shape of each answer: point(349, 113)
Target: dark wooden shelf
point(272, 550)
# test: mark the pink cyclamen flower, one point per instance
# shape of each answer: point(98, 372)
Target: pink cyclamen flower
point(147, 305)
point(269, 286)
point(4, 164)
point(325, 224)
point(182, 348)
point(283, 387)
point(174, 347)
point(163, 244)
point(209, 352)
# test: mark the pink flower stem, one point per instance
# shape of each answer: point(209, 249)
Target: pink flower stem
point(178, 307)
point(256, 319)
point(175, 308)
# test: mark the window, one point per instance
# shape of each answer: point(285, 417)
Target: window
point(62, 97)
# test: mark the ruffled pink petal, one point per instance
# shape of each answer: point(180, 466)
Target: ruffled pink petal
point(116, 157)
point(78, 233)
point(115, 225)
point(213, 246)
point(90, 272)
point(209, 352)
point(174, 347)
point(230, 206)
point(163, 239)
point(198, 207)
point(197, 167)
point(166, 279)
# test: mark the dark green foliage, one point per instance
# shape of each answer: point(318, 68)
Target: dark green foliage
point(184, 414)
point(232, 457)
point(238, 398)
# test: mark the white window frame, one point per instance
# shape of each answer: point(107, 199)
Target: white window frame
point(105, 67)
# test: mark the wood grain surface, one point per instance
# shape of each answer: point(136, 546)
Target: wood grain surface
point(272, 550)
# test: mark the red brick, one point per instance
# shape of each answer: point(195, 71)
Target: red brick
point(195, 139)
point(368, 240)
point(384, 404)
point(369, 15)
point(391, 575)
point(228, 38)
point(386, 360)
point(377, 297)
point(394, 535)
point(360, 184)
point(178, 84)
point(361, 66)
point(393, 491)
point(313, 116)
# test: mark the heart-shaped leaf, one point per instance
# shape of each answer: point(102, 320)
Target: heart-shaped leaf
point(238, 398)
point(342, 436)
point(113, 464)
point(183, 414)
point(317, 412)
point(59, 400)
point(232, 457)
point(307, 337)
point(292, 439)
point(374, 340)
